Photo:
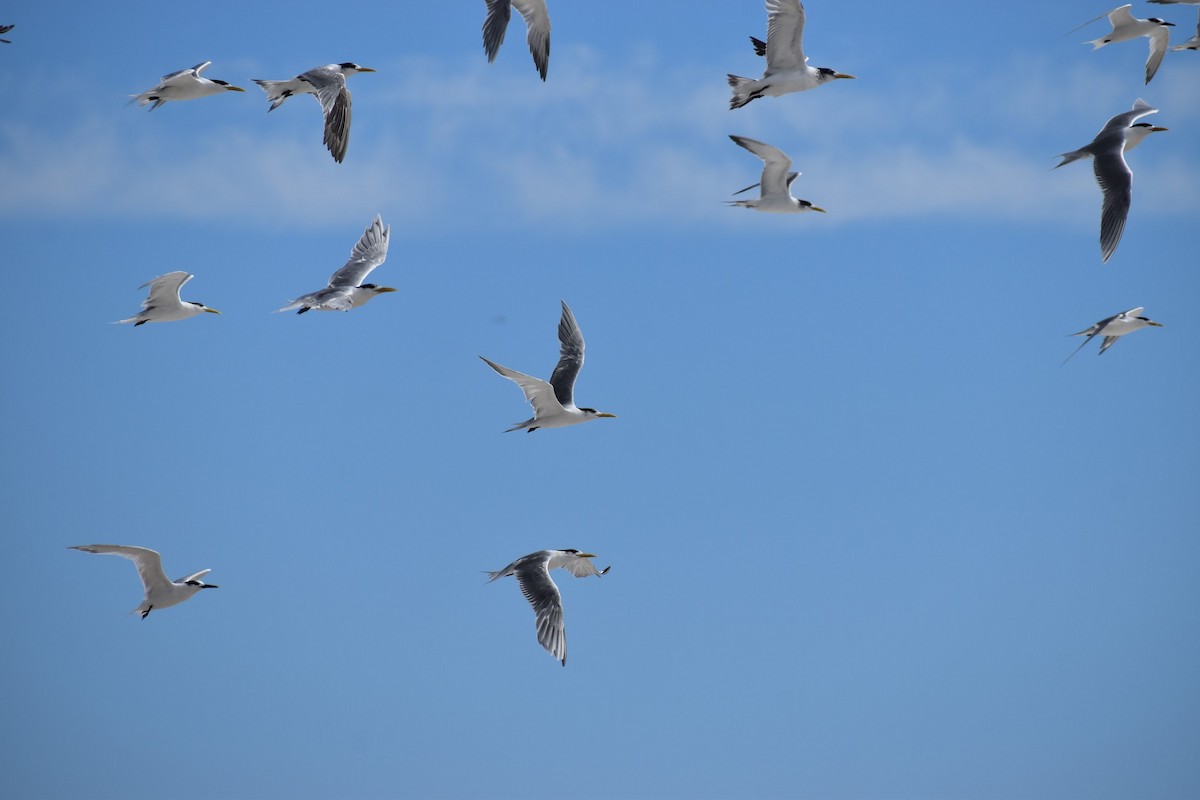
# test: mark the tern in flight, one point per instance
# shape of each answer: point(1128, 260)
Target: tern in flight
point(1125, 27)
point(346, 289)
point(162, 304)
point(775, 186)
point(1191, 44)
point(1114, 327)
point(1107, 151)
point(787, 67)
point(537, 21)
point(328, 85)
point(160, 592)
point(187, 84)
point(533, 576)
point(554, 402)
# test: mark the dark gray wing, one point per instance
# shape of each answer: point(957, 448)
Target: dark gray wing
point(494, 27)
point(367, 254)
point(331, 93)
point(537, 21)
point(543, 595)
point(1116, 181)
point(570, 359)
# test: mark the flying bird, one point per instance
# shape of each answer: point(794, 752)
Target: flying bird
point(1125, 27)
point(187, 84)
point(160, 592)
point(775, 192)
point(346, 289)
point(787, 67)
point(162, 304)
point(533, 576)
point(537, 21)
point(1191, 44)
point(1114, 327)
point(554, 402)
point(328, 85)
point(1112, 173)
point(6, 29)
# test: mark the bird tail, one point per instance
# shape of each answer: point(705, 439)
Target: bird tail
point(1074, 155)
point(275, 94)
point(740, 203)
point(741, 95)
point(1098, 43)
point(494, 575)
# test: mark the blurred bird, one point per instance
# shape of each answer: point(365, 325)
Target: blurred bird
point(533, 576)
point(6, 29)
point(554, 402)
point(1112, 172)
point(787, 67)
point(1114, 327)
point(162, 304)
point(1125, 27)
point(328, 85)
point(183, 85)
point(1191, 44)
point(346, 289)
point(775, 193)
point(160, 592)
point(537, 21)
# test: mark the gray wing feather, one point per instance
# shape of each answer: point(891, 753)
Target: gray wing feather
point(164, 288)
point(331, 93)
point(1116, 181)
point(148, 562)
point(543, 595)
point(495, 26)
point(785, 35)
point(365, 256)
point(537, 21)
point(570, 359)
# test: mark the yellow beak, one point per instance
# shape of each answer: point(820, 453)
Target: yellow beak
point(212, 310)
point(842, 75)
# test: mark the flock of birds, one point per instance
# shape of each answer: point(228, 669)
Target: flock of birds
point(787, 71)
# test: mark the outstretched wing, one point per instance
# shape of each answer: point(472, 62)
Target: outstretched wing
point(164, 290)
point(366, 255)
point(543, 595)
point(570, 359)
point(785, 35)
point(539, 393)
point(330, 88)
point(148, 562)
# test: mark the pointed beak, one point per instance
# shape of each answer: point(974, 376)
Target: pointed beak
point(611, 416)
point(843, 75)
point(210, 586)
point(586, 555)
point(1155, 324)
point(384, 289)
point(1158, 128)
point(817, 208)
point(365, 69)
point(211, 310)
point(235, 88)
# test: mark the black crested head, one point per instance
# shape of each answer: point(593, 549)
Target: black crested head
point(348, 65)
point(570, 550)
point(369, 286)
point(589, 411)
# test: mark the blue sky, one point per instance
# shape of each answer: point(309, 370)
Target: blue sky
point(868, 538)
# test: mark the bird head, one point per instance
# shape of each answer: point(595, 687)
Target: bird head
point(826, 74)
point(591, 412)
point(377, 289)
point(201, 585)
point(807, 206)
point(350, 68)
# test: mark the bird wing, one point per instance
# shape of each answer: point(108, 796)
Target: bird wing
point(1121, 16)
point(495, 26)
point(1159, 40)
point(1108, 342)
point(330, 90)
point(148, 562)
point(537, 21)
point(1126, 118)
point(366, 255)
point(543, 595)
point(583, 567)
point(570, 358)
point(539, 393)
point(191, 71)
point(195, 576)
point(164, 289)
point(776, 165)
point(785, 34)
point(1116, 181)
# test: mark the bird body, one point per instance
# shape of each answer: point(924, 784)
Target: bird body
point(346, 289)
point(1114, 327)
point(160, 592)
point(1126, 27)
point(775, 192)
point(162, 304)
point(533, 575)
point(1107, 151)
point(186, 84)
point(537, 23)
point(328, 85)
point(787, 67)
point(553, 401)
